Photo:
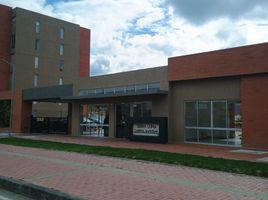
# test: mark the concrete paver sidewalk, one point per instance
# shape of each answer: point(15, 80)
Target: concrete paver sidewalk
point(103, 178)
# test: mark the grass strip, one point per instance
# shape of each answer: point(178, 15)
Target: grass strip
point(219, 164)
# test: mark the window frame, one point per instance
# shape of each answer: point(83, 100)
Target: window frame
point(36, 80)
point(62, 32)
point(211, 128)
point(61, 49)
point(36, 62)
point(61, 81)
point(37, 44)
point(37, 26)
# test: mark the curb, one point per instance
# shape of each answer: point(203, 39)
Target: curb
point(34, 191)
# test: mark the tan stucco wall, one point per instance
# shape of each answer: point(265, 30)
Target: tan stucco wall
point(205, 89)
point(44, 109)
point(49, 57)
point(143, 76)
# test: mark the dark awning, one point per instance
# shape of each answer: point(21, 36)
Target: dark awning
point(50, 93)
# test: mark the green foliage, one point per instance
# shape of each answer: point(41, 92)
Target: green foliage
point(219, 164)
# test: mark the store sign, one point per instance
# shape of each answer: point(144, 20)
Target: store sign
point(146, 130)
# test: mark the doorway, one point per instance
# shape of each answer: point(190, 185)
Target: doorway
point(122, 116)
point(125, 112)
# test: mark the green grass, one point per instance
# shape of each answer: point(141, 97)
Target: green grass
point(219, 164)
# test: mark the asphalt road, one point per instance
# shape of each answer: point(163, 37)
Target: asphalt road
point(7, 195)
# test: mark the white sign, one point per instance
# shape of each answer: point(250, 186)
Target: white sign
point(146, 130)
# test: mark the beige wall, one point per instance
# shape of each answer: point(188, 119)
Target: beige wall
point(44, 109)
point(157, 74)
point(49, 57)
point(205, 89)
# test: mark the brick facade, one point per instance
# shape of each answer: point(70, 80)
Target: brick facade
point(84, 52)
point(5, 37)
point(228, 62)
point(21, 112)
point(254, 108)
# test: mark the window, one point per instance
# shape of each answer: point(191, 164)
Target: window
point(13, 41)
point(37, 26)
point(191, 114)
point(61, 65)
point(36, 77)
point(36, 62)
point(61, 49)
point(61, 33)
point(60, 113)
point(204, 116)
point(34, 113)
point(37, 44)
point(13, 31)
point(141, 109)
point(213, 122)
point(13, 26)
point(220, 114)
point(60, 81)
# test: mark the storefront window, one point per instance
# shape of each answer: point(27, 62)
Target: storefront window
point(213, 122)
point(219, 114)
point(191, 114)
point(94, 120)
point(204, 114)
point(141, 109)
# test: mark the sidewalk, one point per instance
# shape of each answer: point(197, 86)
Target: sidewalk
point(195, 149)
point(105, 178)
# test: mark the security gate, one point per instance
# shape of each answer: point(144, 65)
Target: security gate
point(49, 125)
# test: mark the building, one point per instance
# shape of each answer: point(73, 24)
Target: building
point(38, 51)
point(218, 97)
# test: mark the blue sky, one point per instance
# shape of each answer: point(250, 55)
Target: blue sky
point(128, 35)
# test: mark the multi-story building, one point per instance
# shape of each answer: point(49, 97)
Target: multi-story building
point(217, 97)
point(40, 51)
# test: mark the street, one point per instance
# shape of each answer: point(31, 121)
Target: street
point(7, 195)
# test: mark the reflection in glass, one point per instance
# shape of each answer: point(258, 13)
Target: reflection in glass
point(94, 120)
point(204, 114)
point(213, 122)
point(219, 114)
point(190, 114)
point(205, 136)
point(191, 135)
point(220, 137)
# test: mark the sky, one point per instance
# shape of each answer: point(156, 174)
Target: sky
point(135, 34)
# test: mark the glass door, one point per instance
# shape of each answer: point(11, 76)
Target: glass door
point(122, 115)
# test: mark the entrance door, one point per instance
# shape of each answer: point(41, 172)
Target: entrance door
point(122, 115)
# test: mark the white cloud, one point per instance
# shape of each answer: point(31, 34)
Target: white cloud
point(150, 18)
point(129, 34)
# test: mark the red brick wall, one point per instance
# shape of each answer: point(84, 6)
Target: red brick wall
point(5, 38)
point(21, 113)
point(5, 95)
point(236, 61)
point(84, 52)
point(254, 109)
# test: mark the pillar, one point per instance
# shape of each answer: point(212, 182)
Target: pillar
point(75, 119)
point(112, 121)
